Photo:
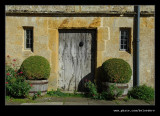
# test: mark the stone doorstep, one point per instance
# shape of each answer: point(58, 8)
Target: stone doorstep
point(73, 92)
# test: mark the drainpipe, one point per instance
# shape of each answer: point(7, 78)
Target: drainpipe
point(137, 23)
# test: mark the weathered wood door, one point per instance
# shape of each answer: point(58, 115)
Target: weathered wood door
point(76, 58)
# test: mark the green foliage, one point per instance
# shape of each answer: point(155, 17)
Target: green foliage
point(112, 92)
point(7, 98)
point(35, 68)
point(36, 95)
point(92, 90)
point(16, 85)
point(58, 93)
point(20, 100)
point(116, 70)
point(142, 92)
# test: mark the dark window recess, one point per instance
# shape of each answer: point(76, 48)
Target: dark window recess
point(124, 39)
point(29, 38)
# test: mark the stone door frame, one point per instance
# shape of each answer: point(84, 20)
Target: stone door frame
point(101, 38)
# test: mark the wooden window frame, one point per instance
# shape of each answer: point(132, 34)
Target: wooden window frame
point(31, 38)
point(128, 31)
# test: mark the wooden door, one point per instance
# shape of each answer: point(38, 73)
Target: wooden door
point(76, 58)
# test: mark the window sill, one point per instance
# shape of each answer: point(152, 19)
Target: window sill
point(27, 53)
point(126, 51)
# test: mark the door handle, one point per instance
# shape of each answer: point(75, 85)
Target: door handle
point(81, 44)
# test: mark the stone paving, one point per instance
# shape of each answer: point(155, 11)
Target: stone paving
point(83, 101)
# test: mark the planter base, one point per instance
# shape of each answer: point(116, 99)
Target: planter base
point(122, 86)
point(38, 86)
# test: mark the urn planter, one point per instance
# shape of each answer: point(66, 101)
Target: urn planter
point(38, 86)
point(122, 86)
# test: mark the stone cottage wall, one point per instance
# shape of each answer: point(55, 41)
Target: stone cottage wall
point(106, 19)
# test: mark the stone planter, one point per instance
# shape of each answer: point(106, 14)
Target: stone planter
point(123, 86)
point(38, 85)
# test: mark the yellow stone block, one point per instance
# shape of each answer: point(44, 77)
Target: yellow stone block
point(79, 23)
point(96, 22)
point(101, 45)
point(50, 22)
point(147, 22)
point(103, 33)
point(52, 82)
point(53, 46)
point(99, 58)
point(53, 39)
point(42, 26)
point(74, 23)
point(54, 60)
point(54, 23)
point(65, 22)
point(108, 21)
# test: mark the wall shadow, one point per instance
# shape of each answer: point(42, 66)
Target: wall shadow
point(90, 77)
point(99, 79)
point(81, 85)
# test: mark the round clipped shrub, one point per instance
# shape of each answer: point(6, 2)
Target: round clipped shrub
point(116, 70)
point(36, 68)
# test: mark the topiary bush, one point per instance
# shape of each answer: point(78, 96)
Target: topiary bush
point(35, 68)
point(116, 70)
point(142, 92)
